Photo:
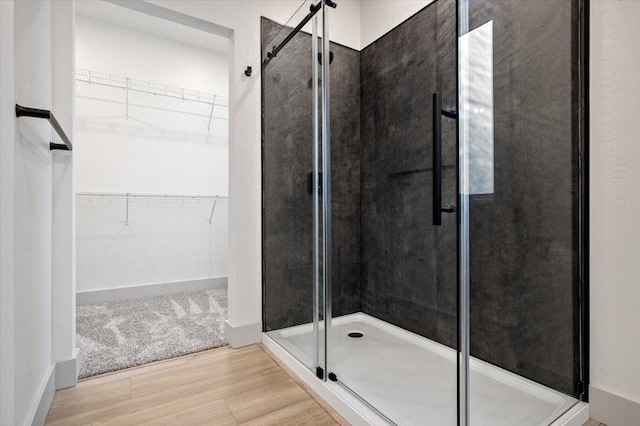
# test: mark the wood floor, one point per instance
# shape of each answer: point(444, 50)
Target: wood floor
point(221, 386)
point(592, 422)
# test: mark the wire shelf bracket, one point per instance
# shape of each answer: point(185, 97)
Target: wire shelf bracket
point(213, 209)
point(129, 196)
point(131, 92)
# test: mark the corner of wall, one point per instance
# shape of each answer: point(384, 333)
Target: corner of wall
point(7, 138)
point(242, 335)
point(612, 409)
point(614, 163)
point(43, 398)
point(67, 371)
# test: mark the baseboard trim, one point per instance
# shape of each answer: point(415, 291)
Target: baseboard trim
point(576, 416)
point(612, 409)
point(67, 371)
point(242, 335)
point(47, 391)
point(136, 292)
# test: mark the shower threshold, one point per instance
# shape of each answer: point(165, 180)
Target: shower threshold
point(392, 376)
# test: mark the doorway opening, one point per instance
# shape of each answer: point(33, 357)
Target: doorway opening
point(151, 182)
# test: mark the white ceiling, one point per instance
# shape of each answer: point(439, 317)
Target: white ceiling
point(131, 19)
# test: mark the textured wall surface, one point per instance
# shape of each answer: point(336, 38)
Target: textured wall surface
point(287, 160)
point(615, 204)
point(523, 240)
point(410, 275)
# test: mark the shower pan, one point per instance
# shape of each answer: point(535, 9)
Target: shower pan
point(423, 212)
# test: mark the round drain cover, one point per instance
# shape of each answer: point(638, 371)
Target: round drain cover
point(355, 334)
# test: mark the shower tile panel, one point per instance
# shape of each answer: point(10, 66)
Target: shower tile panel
point(411, 267)
point(522, 240)
point(287, 156)
point(345, 179)
point(287, 160)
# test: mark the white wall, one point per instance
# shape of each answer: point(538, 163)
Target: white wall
point(63, 286)
point(152, 151)
point(7, 143)
point(166, 241)
point(103, 46)
point(28, 339)
point(378, 17)
point(32, 224)
point(615, 199)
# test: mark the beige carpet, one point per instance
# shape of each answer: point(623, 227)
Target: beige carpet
point(121, 334)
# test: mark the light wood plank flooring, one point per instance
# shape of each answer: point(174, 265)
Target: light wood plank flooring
point(221, 386)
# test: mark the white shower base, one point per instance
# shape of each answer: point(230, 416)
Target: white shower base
point(411, 380)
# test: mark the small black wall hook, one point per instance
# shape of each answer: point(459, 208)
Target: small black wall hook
point(248, 71)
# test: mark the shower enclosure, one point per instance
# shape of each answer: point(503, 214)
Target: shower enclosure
point(423, 209)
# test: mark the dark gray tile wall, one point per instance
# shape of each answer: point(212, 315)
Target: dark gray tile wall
point(522, 239)
point(410, 272)
point(287, 160)
point(345, 179)
point(523, 263)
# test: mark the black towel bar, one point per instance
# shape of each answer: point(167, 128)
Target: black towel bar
point(48, 115)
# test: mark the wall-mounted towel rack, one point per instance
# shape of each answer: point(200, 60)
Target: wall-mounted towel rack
point(47, 115)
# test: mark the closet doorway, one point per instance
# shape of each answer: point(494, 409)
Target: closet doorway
point(151, 180)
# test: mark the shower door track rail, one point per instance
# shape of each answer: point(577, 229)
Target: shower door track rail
point(315, 8)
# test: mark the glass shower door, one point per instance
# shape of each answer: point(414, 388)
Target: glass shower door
point(393, 334)
point(292, 90)
point(520, 231)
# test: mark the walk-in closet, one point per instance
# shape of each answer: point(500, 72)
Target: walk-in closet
point(151, 172)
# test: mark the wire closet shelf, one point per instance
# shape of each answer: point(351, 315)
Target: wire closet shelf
point(127, 196)
point(131, 92)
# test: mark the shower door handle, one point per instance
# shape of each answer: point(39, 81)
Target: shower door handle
point(438, 208)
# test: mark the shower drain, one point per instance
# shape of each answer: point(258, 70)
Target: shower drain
point(355, 334)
